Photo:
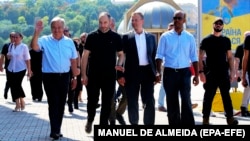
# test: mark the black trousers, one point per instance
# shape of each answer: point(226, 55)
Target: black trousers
point(15, 81)
point(104, 83)
point(36, 86)
point(56, 87)
point(79, 88)
point(213, 82)
point(142, 85)
point(73, 94)
point(178, 82)
point(7, 84)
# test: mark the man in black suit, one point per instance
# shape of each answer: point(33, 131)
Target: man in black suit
point(140, 70)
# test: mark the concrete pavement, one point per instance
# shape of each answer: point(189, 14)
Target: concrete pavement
point(32, 124)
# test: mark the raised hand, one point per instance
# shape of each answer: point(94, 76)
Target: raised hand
point(39, 26)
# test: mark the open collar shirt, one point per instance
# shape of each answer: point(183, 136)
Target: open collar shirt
point(19, 56)
point(177, 51)
point(141, 48)
point(57, 54)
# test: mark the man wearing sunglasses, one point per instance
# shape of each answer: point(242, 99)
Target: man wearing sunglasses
point(177, 48)
point(219, 60)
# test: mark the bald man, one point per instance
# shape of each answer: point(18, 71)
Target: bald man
point(102, 48)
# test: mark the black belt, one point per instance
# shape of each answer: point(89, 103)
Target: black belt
point(144, 66)
point(56, 74)
point(175, 69)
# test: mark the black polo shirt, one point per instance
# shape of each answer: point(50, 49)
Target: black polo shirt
point(103, 48)
point(247, 47)
point(239, 54)
point(4, 51)
point(216, 52)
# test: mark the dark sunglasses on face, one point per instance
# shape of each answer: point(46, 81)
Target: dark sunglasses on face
point(218, 23)
point(177, 18)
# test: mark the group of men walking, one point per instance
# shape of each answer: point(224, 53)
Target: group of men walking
point(135, 60)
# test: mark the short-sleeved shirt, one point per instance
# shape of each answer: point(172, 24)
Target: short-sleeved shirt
point(19, 56)
point(239, 54)
point(247, 47)
point(103, 49)
point(216, 52)
point(57, 54)
point(4, 52)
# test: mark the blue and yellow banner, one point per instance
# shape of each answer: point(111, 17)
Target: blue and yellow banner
point(236, 16)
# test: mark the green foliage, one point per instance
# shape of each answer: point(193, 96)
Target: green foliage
point(2, 42)
point(80, 15)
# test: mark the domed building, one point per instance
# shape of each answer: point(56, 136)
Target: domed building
point(157, 15)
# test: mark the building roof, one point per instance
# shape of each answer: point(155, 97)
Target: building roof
point(157, 15)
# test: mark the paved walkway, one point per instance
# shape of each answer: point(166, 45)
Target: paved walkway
point(32, 124)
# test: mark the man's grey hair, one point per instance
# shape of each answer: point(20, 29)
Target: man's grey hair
point(55, 19)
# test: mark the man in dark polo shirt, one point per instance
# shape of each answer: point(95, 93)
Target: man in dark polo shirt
point(5, 60)
point(99, 64)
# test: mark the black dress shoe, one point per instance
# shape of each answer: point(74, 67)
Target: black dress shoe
point(98, 105)
point(120, 119)
point(5, 96)
point(88, 127)
point(55, 136)
point(111, 122)
point(71, 108)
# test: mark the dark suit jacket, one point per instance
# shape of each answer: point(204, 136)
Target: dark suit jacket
point(132, 59)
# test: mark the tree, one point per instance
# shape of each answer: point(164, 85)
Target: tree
point(30, 4)
point(74, 26)
point(2, 42)
point(80, 15)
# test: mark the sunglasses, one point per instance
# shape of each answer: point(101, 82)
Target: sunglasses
point(218, 23)
point(177, 18)
point(66, 31)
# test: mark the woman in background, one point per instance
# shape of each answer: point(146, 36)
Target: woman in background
point(19, 57)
